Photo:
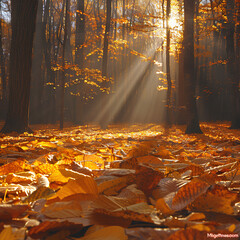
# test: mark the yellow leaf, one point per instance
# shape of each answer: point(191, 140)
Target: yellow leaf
point(82, 185)
point(7, 234)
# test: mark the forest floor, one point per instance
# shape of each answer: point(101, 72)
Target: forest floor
point(127, 182)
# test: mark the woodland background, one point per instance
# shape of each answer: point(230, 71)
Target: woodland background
point(120, 62)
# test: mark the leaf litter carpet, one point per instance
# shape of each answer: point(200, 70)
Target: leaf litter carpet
point(128, 182)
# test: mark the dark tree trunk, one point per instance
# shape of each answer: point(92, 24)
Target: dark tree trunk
point(80, 33)
point(231, 65)
point(169, 82)
point(106, 38)
point(63, 68)
point(37, 85)
point(79, 61)
point(2, 61)
point(189, 76)
point(23, 21)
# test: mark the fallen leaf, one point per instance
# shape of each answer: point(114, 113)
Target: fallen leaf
point(188, 234)
point(82, 185)
point(188, 193)
point(7, 234)
point(65, 210)
point(147, 179)
point(49, 228)
point(219, 199)
point(40, 193)
point(111, 187)
point(13, 167)
point(9, 211)
point(107, 233)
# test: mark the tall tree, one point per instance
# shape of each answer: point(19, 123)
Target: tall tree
point(231, 65)
point(37, 84)
point(23, 20)
point(2, 58)
point(169, 82)
point(63, 67)
point(106, 38)
point(189, 76)
point(79, 60)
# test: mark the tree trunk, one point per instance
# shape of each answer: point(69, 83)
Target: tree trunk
point(106, 38)
point(169, 82)
point(231, 67)
point(79, 61)
point(63, 69)
point(189, 77)
point(37, 85)
point(2, 62)
point(23, 21)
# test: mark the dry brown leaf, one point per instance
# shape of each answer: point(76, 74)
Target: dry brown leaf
point(9, 211)
point(132, 193)
point(111, 187)
point(150, 160)
point(147, 179)
point(141, 233)
point(69, 209)
point(167, 186)
point(48, 228)
point(40, 193)
point(137, 212)
point(140, 150)
point(188, 234)
point(219, 199)
point(195, 170)
point(131, 163)
point(188, 193)
point(107, 233)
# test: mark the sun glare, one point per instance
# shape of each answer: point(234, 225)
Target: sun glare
point(173, 22)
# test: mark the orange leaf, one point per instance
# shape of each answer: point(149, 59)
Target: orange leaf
point(188, 193)
point(82, 185)
point(219, 199)
point(13, 167)
point(107, 233)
